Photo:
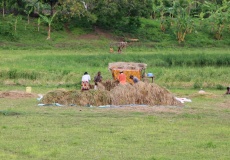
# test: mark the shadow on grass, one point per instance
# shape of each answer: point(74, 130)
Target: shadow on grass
point(9, 113)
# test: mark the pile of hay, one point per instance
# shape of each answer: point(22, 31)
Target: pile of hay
point(17, 94)
point(139, 93)
point(142, 93)
point(107, 85)
point(91, 97)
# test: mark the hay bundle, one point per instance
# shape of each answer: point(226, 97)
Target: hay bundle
point(107, 85)
point(139, 93)
point(142, 93)
point(92, 97)
point(58, 96)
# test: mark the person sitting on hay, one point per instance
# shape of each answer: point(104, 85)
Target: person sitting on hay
point(134, 78)
point(228, 90)
point(122, 78)
point(85, 82)
point(97, 79)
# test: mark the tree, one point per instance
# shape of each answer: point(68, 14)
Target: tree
point(3, 5)
point(219, 17)
point(52, 4)
point(28, 10)
point(48, 19)
point(118, 14)
point(70, 8)
point(183, 21)
point(17, 6)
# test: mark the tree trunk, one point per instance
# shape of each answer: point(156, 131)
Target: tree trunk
point(28, 19)
point(3, 12)
point(49, 30)
point(15, 24)
point(51, 10)
point(3, 9)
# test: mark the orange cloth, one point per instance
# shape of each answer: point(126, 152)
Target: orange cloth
point(122, 78)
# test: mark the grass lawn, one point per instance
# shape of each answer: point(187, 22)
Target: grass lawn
point(198, 68)
point(199, 130)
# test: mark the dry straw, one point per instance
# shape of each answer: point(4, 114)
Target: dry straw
point(112, 93)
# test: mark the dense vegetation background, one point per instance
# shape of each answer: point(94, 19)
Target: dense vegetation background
point(184, 42)
point(155, 23)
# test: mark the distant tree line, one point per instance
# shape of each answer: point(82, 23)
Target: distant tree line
point(124, 15)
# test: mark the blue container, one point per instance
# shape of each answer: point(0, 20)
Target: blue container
point(149, 75)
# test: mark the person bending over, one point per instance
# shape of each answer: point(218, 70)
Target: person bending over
point(134, 78)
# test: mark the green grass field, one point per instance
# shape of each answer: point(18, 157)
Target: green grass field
point(199, 130)
point(184, 68)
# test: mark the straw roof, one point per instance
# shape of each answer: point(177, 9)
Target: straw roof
point(127, 66)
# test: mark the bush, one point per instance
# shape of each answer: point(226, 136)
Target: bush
point(197, 85)
point(219, 87)
point(6, 31)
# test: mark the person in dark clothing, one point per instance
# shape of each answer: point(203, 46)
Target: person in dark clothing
point(97, 79)
point(135, 79)
point(228, 90)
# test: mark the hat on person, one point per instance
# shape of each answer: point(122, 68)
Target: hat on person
point(121, 71)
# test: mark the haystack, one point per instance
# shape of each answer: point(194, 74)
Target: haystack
point(142, 93)
point(92, 97)
point(116, 94)
point(107, 85)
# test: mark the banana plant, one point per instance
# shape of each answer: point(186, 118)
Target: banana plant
point(183, 22)
point(39, 22)
point(219, 19)
point(14, 20)
point(162, 10)
point(184, 25)
point(48, 19)
point(28, 11)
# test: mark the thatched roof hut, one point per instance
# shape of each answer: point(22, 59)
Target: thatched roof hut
point(128, 68)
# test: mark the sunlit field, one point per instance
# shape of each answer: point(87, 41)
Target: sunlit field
point(197, 130)
point(196, 68)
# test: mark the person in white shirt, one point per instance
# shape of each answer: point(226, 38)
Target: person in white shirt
point(85, 80)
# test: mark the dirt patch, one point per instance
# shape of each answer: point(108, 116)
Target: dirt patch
point(225, 104)
point(17, 94)
point(148, 109)
point(204, 95)
point(91, 36)
point(97, 34)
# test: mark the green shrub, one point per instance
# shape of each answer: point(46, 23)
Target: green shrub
point(197, 85)
point(219, 87)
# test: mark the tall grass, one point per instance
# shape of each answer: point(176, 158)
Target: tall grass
point(171, 67)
